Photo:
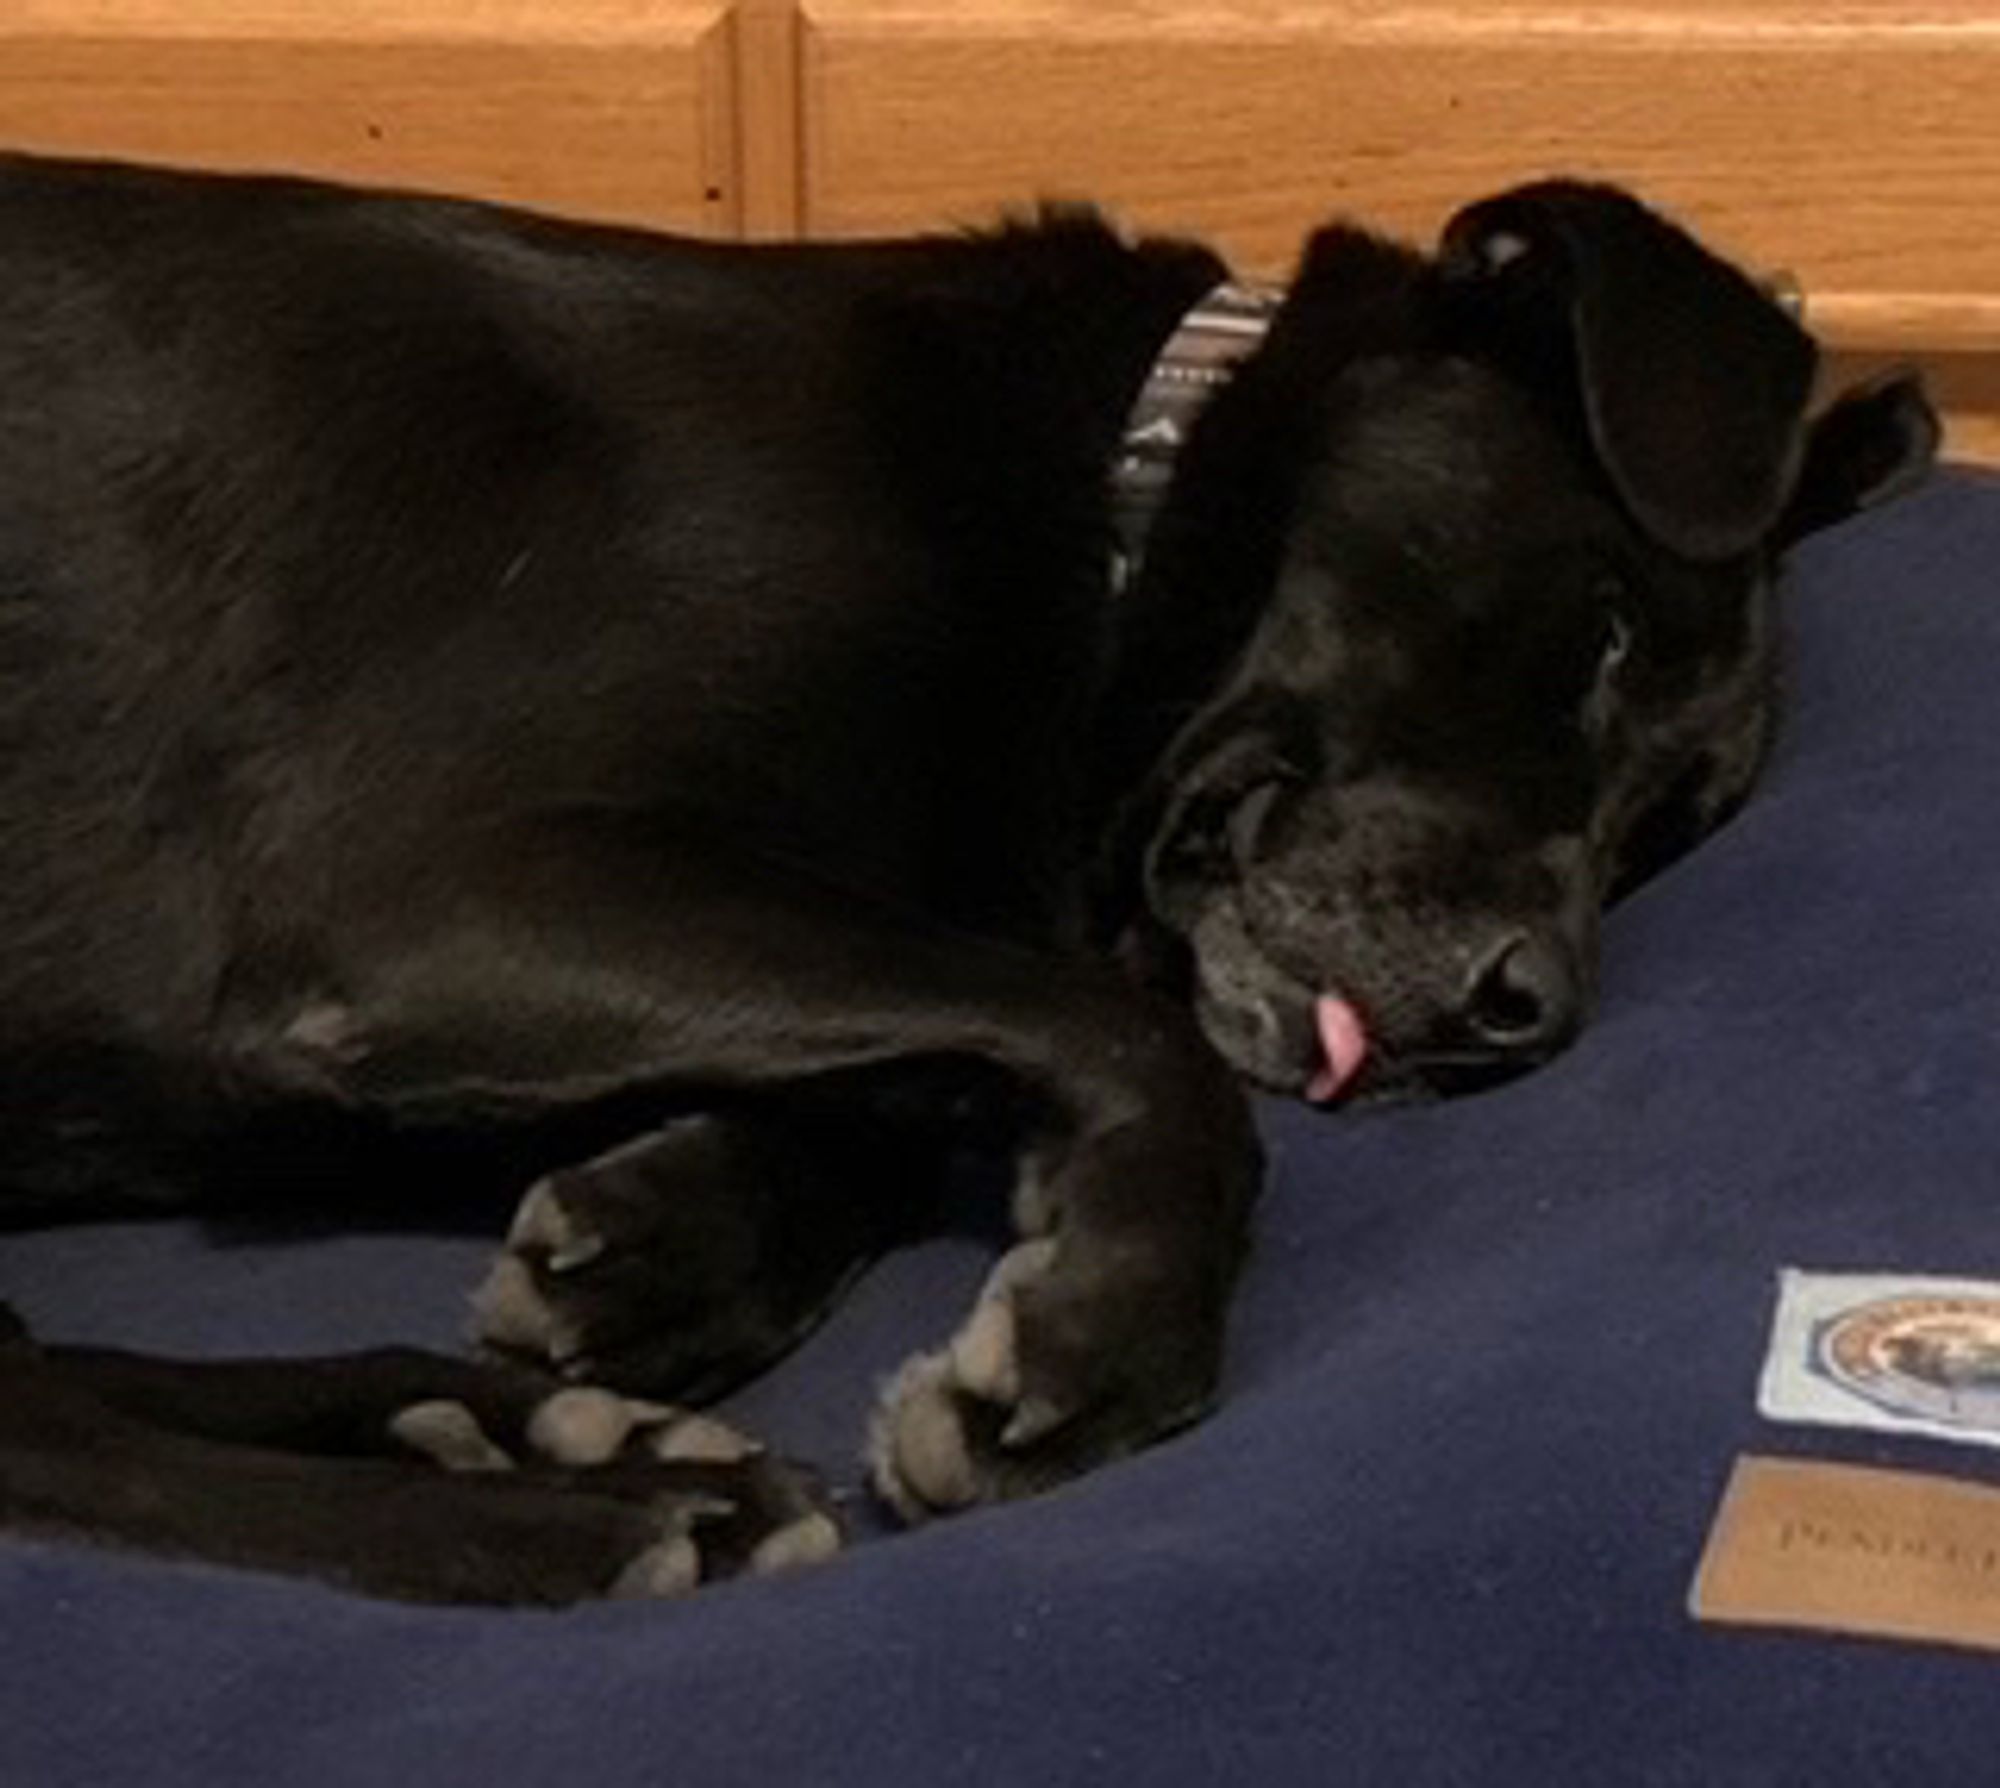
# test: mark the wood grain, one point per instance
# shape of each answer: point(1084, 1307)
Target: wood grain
point(1856, 144)
point(325, 21)
point(599, 108)
point(769, 140)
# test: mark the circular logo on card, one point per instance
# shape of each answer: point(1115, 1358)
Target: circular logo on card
point(1937, 1357)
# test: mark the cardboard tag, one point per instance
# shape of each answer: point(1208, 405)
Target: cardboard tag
point(1854, 1549)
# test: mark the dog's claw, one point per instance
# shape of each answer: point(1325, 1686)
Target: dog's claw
point(577, 1254)
point(1036, 1418)
point(544, 1227)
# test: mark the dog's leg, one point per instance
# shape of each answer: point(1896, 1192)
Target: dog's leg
point(680, 1263)
point(397, 1472)
point(577, 979)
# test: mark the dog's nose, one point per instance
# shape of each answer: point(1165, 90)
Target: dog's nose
point(1525, 995)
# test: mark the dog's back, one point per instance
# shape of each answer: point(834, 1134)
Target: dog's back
point(339, 531)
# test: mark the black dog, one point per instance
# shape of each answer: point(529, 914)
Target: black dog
point(487, 702)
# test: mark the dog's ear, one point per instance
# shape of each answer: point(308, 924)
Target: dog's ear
point(1873, 442)
point(1691, 381)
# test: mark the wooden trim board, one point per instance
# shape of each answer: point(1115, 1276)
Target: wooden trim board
point(615, 109)
point(1854, 144)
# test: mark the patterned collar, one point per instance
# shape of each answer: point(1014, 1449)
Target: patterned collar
point(1224, 326)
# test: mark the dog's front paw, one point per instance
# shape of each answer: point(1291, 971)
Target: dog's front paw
point(1065, 1364)
point(637, 1270)
point(676, 1265)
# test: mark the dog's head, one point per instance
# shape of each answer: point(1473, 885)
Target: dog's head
point(1495, 531)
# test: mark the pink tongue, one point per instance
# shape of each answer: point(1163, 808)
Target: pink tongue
point(1345, 1042)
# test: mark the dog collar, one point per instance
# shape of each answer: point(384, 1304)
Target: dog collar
point(1223, 327)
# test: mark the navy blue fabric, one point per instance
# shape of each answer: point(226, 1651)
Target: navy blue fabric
point(1492, 1364)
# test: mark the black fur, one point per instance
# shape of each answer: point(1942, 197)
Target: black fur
point(486, 700)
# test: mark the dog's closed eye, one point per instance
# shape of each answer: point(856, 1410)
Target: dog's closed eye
point(1249, 820)
point(1219, 831)
point(1614, 644)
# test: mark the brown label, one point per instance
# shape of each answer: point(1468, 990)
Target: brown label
point(1852, 1549)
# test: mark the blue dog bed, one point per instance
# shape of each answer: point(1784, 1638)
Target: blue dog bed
point(1491, 1367)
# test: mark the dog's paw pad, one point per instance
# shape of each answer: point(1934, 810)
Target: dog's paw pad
point(810, 1540)
point(584, 1425)
point(919, 1456)
point(448, 1434)
point(1013, 1404)
point(983, 1358)
point(547, 1230)
point(984, 1353)
point(672, 1567)
point(588, 1425)
point(701, 1440)
point(921, 1453)
point(509, 1312)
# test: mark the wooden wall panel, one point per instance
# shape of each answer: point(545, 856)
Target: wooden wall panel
point(770, 147)
point(1865, 153)
point(1855, 144)
point(616, 109)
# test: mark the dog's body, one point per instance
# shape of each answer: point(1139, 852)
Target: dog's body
point(486, 701)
